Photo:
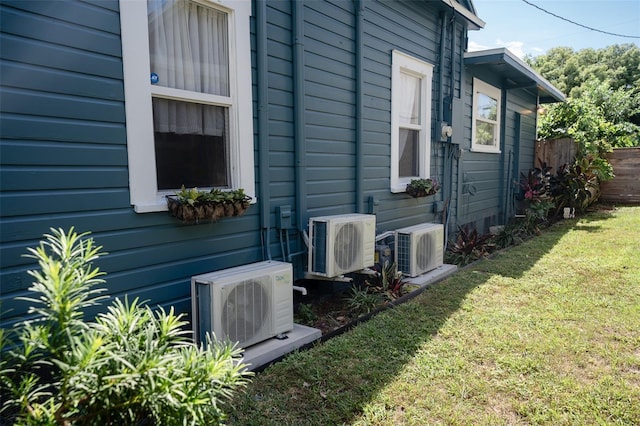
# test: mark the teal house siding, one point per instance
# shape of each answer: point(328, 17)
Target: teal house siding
point(412, 28)
point(489, 180)
point(321, 76)
point(64, 162)
point(329, 107)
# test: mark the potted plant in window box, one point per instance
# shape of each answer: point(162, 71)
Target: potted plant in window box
point(193, 206)
point(422, 187)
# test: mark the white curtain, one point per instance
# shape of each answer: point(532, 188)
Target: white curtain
point(409, 114)
point(188, 47)
point(410, 99)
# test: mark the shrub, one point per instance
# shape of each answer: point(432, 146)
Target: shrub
point(132, 365)
point(468, 246)
point(388, 282)
point(361, 301)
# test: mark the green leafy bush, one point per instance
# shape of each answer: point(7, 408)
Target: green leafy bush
point(132, 365)
point(361, 301)
point(468, 246)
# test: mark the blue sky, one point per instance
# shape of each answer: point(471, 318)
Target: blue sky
point(525, 30)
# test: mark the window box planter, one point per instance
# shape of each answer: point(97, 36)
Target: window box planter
point(422, 187)
point(193, 206)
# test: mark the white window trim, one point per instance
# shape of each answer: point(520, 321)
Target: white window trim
point(145, 196)
point(480, 86)
point(401, 62)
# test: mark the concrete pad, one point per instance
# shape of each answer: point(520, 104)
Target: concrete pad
point(263, 353)
point(433, 276)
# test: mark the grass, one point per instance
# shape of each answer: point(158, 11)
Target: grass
point(543, 333)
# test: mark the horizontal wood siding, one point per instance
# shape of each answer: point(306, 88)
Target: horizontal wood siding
point(413, 28)
point(487, 178)
point(329, 102)
point(64, 157)
point(64, 150)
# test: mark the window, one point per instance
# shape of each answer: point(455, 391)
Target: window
point(485, 131)
point(410, 120)
point(187, 75)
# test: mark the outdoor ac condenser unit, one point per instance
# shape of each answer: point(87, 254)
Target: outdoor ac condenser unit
point(419, 248)
point(341, 244)
point(246, 304)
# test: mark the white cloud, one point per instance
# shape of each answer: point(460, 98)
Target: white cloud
point(516, 47)
point(474, 47)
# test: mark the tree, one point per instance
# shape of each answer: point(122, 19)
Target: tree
point(603, 87)
point(570, 70)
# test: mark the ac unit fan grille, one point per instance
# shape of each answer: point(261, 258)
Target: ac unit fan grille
point(404, 252)
point(246, 310)
point(347, 246)
point(319, 247)
point(423, 251)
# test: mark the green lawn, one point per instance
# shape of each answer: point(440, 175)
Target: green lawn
point(547, 332)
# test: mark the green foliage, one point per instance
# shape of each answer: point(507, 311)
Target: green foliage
point(512, 234)
point(130, 366)
point(362, 301)
point(305, 314)
point(468, 246)
point(387, 282)
point(385, 286)
point(598, 121)
point(534, 186)
point(572, 187)
point(603, 87)
point(570, 70)
point(422, 187)
point(194, 197)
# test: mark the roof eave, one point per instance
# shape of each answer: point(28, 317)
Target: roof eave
point(475, 23)
point(548, 93)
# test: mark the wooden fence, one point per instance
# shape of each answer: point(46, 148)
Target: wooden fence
point(625, 187)
point(555, 152)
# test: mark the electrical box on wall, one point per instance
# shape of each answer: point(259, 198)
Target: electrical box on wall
point(283, 217)
point(446, 131)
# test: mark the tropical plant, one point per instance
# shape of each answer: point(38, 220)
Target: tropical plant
point(362, 301)
point(468, 246)
point(511, 234)
point(132, 365)
point(570, 187)
point(388, 282)
point(534, 186)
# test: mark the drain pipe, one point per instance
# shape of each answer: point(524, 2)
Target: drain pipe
point(263, 124)
point(360, 6)
point(463, 78)
point(440, 103)
point(503, 147)
point(443, 20)
point(302, 290)
point(451, 147)
point(299, 106)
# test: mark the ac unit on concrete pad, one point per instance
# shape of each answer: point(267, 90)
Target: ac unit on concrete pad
point(246, 304)
point(341, 244)
point(419, 248)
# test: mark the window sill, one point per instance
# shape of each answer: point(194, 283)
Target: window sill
point(486, 151)
point(160, 206)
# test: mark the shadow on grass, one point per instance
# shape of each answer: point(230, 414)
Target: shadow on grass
point(331, 383)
